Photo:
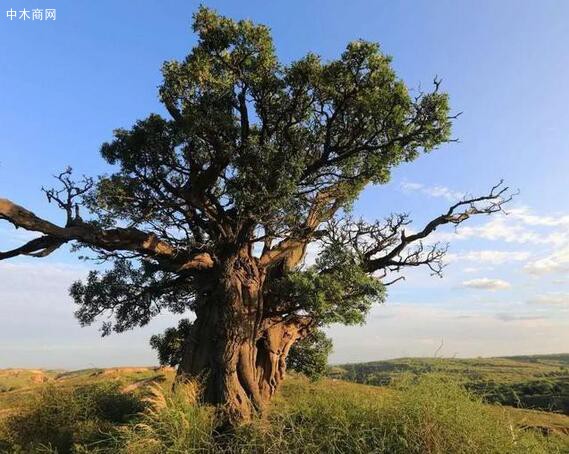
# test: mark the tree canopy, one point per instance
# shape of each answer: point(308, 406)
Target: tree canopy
point(216, 203)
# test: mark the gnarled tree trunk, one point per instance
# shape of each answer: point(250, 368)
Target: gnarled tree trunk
point(234, 348)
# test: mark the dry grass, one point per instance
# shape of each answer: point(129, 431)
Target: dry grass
point(431, 415)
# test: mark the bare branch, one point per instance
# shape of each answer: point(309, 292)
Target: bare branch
point(491, 203)
point(66, 197)
point(385, 247)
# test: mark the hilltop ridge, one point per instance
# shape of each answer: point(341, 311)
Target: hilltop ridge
point(538, 382)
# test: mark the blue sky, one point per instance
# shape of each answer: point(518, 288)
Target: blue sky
point(65, 85)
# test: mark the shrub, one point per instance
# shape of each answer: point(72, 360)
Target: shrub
point(58, 418)
point(309, 356)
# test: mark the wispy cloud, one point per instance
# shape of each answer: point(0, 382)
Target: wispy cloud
point(519, 226)
point(556, 262)
point(471, 269)
point(509, 317)
point(489, 256)
point(432, 191)
point(554, 298)
point(526, 216)
point(417, 330)
point(486, 284)
point(499, 228)
point(38, 328)
point(522, 226)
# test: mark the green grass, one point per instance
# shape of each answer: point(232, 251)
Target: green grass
point(130, 411)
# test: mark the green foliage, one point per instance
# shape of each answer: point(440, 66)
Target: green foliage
point(248, 148)
point(431, 415)
point(343, 295)
point(266, 128)
point(268, 124)
point(309, 356)
point(548, 394)
point(169, 345)
point(133, 293)
point(436, 415)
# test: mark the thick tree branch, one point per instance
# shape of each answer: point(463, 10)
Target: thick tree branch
point(39, 247)
point(111, 240)
point(324, 206)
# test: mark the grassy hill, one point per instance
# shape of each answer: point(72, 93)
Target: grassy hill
point(134, 410)
point(539, 382)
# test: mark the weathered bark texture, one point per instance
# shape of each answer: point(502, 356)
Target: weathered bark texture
point(235, 348)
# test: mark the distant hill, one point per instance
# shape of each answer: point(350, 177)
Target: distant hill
point(552, 359)
point(524, 381)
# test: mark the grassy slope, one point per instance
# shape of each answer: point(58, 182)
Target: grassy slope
point(538, 382)
point(16, 385)
point(298, 395)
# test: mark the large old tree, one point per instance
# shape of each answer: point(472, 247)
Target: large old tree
point(211, 210)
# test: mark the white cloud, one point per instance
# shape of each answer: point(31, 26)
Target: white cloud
point(555, 298)
point(512, 317)
point(519, 226)
point(408, 186)
point(486, 284)
point(36, 287)
point(432, 191)
point(442, 191)
point(554, 263)
point(525, 215)
point(501, 228)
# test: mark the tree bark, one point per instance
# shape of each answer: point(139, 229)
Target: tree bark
point(235, 350)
